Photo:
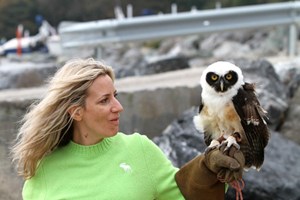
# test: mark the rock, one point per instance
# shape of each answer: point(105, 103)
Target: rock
point(279, 178)
point(164, 65)
point(269, 41)
point(289, 74)
point(10, 115)
point(272, 93)
point(245, 43)
point(224, 51)
point(180, 141)
point(20, 75)
point(127, 63)
point(291, 126)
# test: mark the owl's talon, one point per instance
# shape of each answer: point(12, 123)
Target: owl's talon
point(236, 145)
point(223, 147)
point(229, 142)
point(209, 149)
point(213, 145)
point(226, 149)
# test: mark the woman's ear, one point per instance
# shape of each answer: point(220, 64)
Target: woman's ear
point(75, 112)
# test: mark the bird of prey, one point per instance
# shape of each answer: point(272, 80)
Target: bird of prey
point(230, 113)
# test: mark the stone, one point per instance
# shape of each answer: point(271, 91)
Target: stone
point(271, 92)
point(21, 75)
point(10, 115)
point(164, 65)
point(291, 126)
point(279, 177)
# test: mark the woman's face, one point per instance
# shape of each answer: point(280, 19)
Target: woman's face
point(100, 116)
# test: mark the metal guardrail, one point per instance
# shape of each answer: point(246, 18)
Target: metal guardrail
point(96, 33)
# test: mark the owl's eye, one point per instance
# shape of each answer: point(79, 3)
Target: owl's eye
point(214, 77)
point(228, 76)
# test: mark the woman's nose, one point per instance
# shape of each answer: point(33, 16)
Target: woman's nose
point(117, 107)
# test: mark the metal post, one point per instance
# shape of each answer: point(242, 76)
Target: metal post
point(293, 35)
point(129, 11)
point(174, 8)
point(194, 9)
point(218, 5)
point(99, 52)
point(292, 40)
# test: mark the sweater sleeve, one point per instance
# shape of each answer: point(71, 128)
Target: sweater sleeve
point(161, 171)
point(35, 188)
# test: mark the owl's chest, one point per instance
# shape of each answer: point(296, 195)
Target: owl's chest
point(222, 112)
point(220, 118)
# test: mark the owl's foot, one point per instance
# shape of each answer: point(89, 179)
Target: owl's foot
point(213, 145)
point(230, 141)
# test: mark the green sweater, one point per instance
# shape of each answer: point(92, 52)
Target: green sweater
point(121, 167)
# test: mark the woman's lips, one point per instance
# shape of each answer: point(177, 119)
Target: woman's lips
point(115, 121)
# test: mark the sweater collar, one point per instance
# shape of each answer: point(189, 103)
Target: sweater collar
point(95, 149)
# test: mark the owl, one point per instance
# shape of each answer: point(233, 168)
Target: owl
point(230, 113)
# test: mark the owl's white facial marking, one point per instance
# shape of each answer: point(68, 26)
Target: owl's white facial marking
point(221, 79)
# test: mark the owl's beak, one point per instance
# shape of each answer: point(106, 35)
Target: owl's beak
point(222, 85)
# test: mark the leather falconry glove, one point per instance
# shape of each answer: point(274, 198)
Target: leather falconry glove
point(225, 175)
point(199, 178)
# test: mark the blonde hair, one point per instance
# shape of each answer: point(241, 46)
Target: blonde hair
point(48, 124)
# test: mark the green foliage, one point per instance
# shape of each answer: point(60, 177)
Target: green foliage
point(14, 12)
point(153, 44)
point(17, 12)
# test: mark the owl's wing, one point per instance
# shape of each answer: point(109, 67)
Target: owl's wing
point(253, 119)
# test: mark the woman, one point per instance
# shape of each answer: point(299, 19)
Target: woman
point(69, 147)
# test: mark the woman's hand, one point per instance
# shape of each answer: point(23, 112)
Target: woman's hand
point(228, 165)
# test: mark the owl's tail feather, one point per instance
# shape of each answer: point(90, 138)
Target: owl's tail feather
point(238, 185)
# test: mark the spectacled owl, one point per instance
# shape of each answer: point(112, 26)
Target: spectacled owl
point(230, 113)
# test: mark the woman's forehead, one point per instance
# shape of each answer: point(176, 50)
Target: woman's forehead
point(102, 85)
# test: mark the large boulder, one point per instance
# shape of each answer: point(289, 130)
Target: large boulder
point(10, 116)
point(26, 74)
point(289, 73)
point(272, 93)
point(291, 126)
point(278, 179)
point(164, 65)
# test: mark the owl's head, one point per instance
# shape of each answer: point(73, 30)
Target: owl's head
point(222, 77)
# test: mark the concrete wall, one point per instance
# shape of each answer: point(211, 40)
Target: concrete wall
point(10, 114)
point(150, 104)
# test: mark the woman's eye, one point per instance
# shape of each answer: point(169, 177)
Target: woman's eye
point(103, 101)
point(228, 76)
point(214, 77)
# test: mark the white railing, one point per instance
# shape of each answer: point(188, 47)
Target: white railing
point(96, 33)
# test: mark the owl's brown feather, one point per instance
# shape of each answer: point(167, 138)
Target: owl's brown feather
point(253, 119)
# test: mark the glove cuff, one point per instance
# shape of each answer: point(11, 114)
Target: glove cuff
point(196, 181)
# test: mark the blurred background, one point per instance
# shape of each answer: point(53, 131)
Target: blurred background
point(26, 12)
point(158, 50)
